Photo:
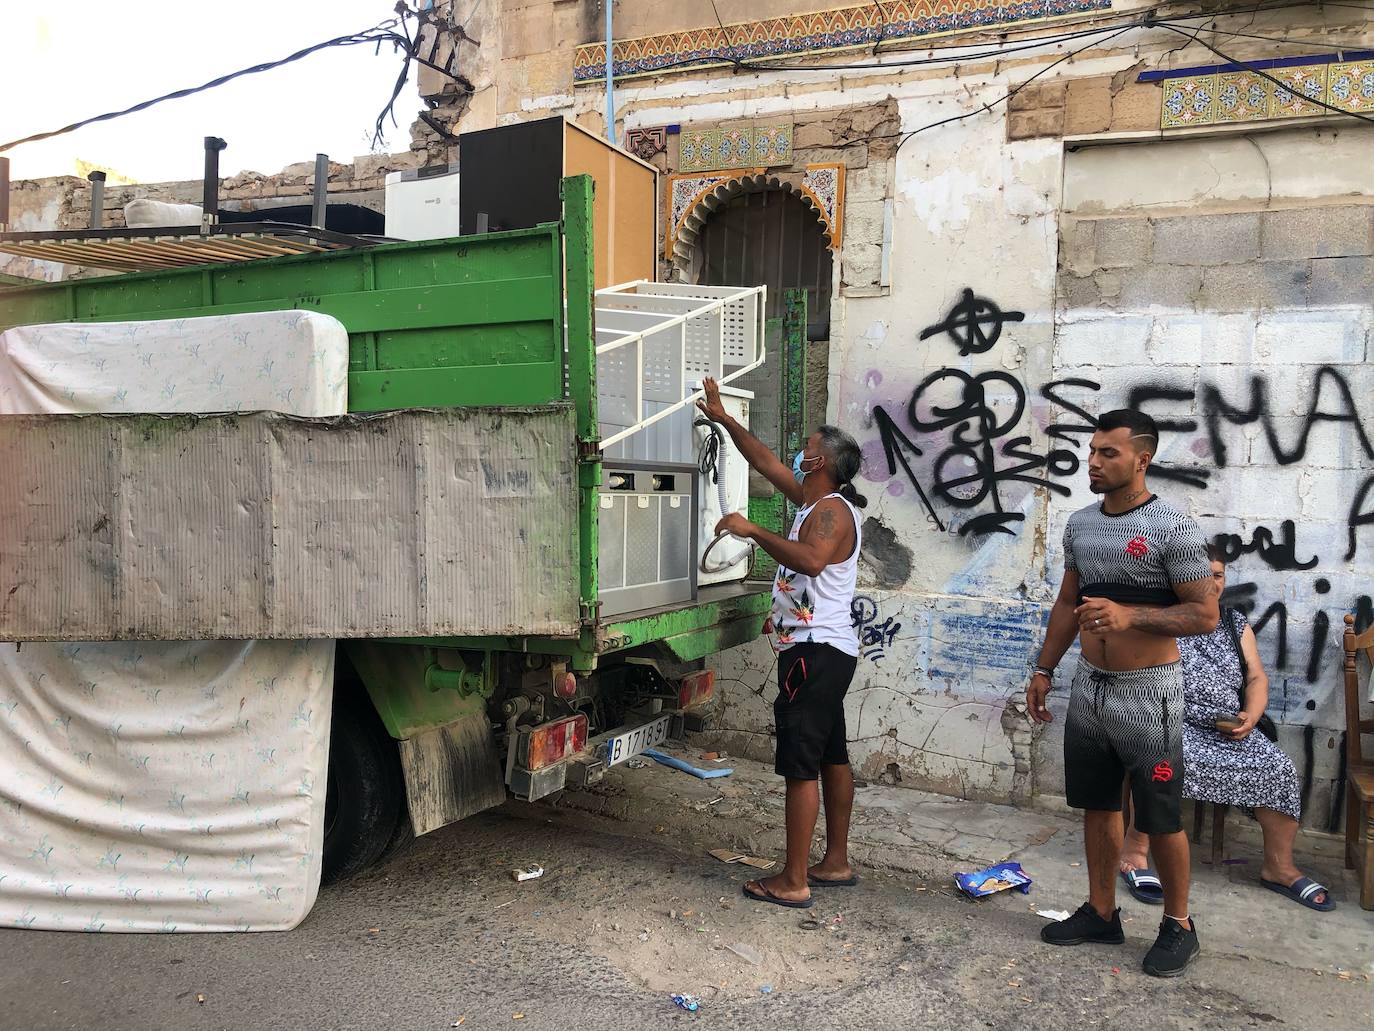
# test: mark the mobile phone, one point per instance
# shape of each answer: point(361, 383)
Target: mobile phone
point(1228, 723)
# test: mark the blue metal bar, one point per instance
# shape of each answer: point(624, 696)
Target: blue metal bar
point(1274, 62)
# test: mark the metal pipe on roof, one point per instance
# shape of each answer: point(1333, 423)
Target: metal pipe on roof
point(321, 196)
point(97, 199)
point(209, 203)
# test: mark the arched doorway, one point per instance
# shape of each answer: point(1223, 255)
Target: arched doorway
point(766, 234)
point(769, 237)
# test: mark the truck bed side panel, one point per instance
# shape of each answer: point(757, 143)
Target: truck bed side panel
point(454, 522)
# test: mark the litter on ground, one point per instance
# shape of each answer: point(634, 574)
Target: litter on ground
point(681, 764)
point(997, 878)
point(726, 855)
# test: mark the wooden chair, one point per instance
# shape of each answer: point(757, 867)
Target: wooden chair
point(1359, 771)
point(1218, 828)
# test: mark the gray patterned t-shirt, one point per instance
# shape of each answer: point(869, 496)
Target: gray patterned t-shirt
point(1135, 557)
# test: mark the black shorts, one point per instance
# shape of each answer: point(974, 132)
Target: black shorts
point(1124, 723)
point(809, 710)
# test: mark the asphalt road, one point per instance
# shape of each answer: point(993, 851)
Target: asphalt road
point(442, 935)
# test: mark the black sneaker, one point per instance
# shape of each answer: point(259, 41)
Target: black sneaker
point(1085, 926)
point(1174, 949)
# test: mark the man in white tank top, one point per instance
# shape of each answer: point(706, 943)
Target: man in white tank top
point(817, 645)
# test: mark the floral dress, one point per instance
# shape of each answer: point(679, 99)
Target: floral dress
point(1249, 773)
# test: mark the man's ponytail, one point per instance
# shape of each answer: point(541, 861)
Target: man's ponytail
point(851, 495)
point(846, 459)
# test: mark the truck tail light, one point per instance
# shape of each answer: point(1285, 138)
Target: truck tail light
point(696, 688)
point(553, 742)
point(565, 686)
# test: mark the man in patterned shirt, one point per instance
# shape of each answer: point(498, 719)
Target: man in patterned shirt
point(1136, 578)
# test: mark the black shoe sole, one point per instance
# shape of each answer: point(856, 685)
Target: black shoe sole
point(1085, 941)
point(1172, 973)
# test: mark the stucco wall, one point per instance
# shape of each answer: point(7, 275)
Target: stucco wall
point(1193, 262)
point(1224, 286)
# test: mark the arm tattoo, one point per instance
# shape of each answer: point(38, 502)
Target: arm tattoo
point(1190, 616)
point(825, 524)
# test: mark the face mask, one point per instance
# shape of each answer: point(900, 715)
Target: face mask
point(797, 469)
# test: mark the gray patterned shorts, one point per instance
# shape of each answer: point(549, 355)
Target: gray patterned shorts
point(1127, 723)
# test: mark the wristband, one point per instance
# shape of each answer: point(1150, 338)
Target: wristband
point(1048, 674)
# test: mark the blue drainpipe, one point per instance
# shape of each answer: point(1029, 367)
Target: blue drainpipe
point(610, 75)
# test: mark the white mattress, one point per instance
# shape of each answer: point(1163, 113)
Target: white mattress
point(162, 786)
point(294, 362)
point(167, 786)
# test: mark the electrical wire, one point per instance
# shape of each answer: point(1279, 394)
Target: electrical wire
point(1327, 44)
point(1015, 90)
point(991, 50)
point(1315, 101)
point(377, 35)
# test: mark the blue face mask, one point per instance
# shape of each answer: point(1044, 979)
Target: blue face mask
point(797, 469)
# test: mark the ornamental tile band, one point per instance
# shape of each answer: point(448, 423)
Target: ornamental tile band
point(843, 28)
point(824, 184)
point(739, 146)
point(1229, 94)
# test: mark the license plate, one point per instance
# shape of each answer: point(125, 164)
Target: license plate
point(632, 742)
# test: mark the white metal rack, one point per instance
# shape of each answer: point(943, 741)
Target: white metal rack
point(654, 343)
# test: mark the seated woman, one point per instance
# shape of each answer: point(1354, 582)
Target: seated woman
point(1226, 762)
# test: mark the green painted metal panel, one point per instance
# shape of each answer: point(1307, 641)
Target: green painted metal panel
point(698, 644)
point(465, 321)
point(394, 676)
point(578, 194)
point(453, 386)
point(631, 633)
point(768, 513)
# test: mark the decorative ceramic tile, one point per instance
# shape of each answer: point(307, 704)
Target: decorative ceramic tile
point(1242, 97)
point(821, 186)
point(1278, 88)
point(1350, 86)
point(1190, 101)
point(736, 147)
point(843, 28)
point(1299, 84)
point(824, 186)
point(645, 143)
point(686, 191)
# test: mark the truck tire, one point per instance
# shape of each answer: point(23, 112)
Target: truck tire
point(365, 796)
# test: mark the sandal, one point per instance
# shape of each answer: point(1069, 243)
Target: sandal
point(764, 895)
point(1144, 886)
point(1303, 891)
point(813, 881)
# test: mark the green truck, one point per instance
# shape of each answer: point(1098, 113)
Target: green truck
point(439, 715)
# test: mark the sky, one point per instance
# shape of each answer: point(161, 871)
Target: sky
point(67, 60)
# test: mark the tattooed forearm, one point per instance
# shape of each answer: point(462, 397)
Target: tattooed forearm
point(1175, 621)
point(1196, 613)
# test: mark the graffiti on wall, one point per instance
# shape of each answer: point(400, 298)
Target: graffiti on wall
point(963, 443)
point(875, 637)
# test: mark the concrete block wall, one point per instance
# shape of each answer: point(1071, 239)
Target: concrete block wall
point(1230, 327)
point(1238, 261)
point(1241, 316)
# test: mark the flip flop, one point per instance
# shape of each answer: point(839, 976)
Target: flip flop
point(1303, 891)
point(813, 881)
point(1144, 886)
point(764, 895)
